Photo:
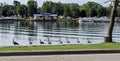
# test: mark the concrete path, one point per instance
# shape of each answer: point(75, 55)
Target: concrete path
point(79, 57)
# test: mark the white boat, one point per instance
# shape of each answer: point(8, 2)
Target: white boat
point(94, 19)
point(8, 18)
point(81, 20)
point(102, 19)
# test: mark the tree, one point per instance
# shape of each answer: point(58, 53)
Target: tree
point(52, 7)
point(16, 3)
point(39, 10)
point(92, 12)
point(112, 21)
point(22, 10)
point(7, 10)
point(66, 10)
point(46, 7)
point(82, 13)
point(74, 9)
point(118, 12)
point(71, 10)
point(57, 8)
point(101, 11)
point(90, 8)
point(32, 7)
point(108, 10)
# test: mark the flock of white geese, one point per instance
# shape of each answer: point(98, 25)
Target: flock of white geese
point(49, 41)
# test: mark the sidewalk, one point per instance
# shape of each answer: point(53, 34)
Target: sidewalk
point(58, 52)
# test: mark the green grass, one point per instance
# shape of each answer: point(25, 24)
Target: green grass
point(62, 47)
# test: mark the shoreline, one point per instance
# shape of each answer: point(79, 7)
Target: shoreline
point(105, 48)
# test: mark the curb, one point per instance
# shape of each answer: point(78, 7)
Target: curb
point(58, 52)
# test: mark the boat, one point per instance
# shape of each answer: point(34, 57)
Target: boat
point(102, 19)
point(81, 20)
point(4, 19)
point(94, 19)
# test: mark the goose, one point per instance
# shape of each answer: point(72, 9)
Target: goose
point(15, 43)
point(30, 41)
point(61, 42)
point(88, 40)
point(41, 42)
point(67, 40)
point(49, 42)
point(78, 41)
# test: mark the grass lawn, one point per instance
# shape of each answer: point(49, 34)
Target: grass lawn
point(62, 47)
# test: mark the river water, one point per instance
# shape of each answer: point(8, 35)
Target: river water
point(21, 32)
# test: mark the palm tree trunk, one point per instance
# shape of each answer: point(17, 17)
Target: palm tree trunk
point(112, 21)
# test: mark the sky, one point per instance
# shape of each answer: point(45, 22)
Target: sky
point(40, 2)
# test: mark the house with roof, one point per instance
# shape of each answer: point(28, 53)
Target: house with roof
point(45, 16)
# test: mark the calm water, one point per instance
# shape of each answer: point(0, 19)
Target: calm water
point(22, 31)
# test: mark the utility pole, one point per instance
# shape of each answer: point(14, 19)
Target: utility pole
point(112, 21)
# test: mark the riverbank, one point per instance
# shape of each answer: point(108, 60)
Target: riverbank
point(103, 46)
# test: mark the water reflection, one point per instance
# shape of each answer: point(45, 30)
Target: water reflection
point(55, 31)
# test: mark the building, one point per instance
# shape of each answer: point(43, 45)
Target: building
point(45, 16)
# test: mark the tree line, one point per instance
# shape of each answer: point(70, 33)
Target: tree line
point(19, 9)
point(74, 10)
